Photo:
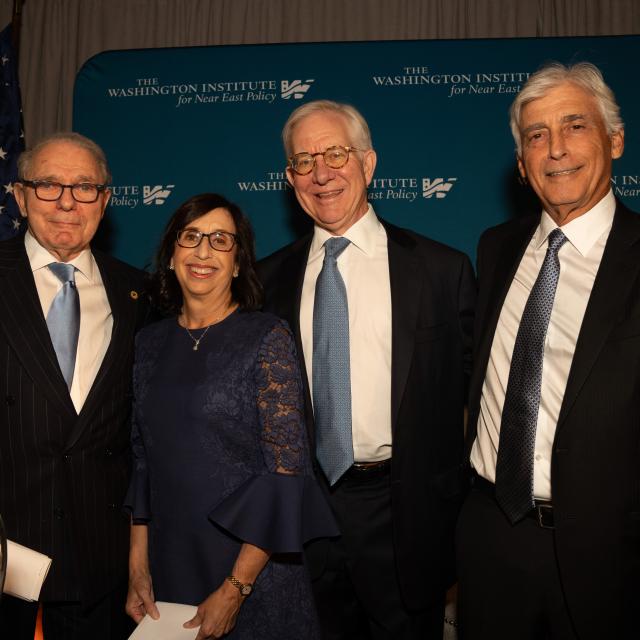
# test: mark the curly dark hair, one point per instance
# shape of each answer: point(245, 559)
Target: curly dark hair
point(163, 288)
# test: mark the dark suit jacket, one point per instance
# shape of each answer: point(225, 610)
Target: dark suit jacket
point(432, 297)
point(63, 476)
point(595, 467)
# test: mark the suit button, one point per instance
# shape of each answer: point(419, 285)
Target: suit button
point(58, 512)
point(66, 457)
point(10, 400)
point(108, 453)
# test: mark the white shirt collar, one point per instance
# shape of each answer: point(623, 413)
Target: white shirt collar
point(362, 235)
point(39, 258)
point(584, 231)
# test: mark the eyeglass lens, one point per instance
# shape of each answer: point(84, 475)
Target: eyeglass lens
point(334, 157)
point(82, 192)
point(219, 240)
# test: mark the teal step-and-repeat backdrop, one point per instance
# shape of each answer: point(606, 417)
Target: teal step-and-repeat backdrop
point(176, 122)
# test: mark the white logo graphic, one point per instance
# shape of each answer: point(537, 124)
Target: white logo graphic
point(438, 187)
point(157, 194)
point(294, 88)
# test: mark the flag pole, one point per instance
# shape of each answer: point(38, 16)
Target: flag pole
point(16, 19)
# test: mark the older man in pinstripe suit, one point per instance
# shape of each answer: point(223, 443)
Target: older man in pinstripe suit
point(64, 431)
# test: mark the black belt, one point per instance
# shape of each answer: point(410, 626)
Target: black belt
point(368, 470)
point(542, 511)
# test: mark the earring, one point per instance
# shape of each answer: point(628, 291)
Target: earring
point(235, 273)
point(171, 265)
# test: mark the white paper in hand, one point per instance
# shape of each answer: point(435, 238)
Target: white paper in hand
point(26, 571)
point(169, 625)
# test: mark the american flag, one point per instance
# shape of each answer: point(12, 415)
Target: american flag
point(11, 136)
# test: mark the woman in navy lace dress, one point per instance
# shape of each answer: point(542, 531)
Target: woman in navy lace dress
point(222, 496)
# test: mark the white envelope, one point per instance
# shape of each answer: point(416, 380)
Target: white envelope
point(169, 625)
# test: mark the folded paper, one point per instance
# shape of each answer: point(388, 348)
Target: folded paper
point(26, 571)
point(169, 625)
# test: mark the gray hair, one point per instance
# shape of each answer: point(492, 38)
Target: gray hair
point(26, 157)
point(357, 125)
point(583, 74)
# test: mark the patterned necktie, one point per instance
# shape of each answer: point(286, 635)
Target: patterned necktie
point(331, 369)
point(63, 319)
point(514, 469)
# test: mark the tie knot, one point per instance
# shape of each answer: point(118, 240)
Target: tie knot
point(333, 247)
point(556, 240)
point(63, 271)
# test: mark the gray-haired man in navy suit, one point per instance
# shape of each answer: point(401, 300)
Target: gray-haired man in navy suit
point(394, 479)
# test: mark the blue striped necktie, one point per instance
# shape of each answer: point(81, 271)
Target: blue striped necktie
point(514, 467)
point(63, 319)
point(331, 368)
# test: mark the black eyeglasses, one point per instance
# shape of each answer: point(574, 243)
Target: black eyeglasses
point(334, 157)
point(218, 240)
point(85, 192)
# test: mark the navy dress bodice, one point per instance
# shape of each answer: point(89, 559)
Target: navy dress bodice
point(221, 458)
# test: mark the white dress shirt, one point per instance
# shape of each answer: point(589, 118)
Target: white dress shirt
point(579, 262)
point(96, 320)
point(364, 266)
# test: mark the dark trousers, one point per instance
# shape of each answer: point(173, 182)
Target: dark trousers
point(508, 581)
point(357, 594)
point(101, 620)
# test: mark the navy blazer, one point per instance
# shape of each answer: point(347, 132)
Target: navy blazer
point(432, 299)
point(595, 465)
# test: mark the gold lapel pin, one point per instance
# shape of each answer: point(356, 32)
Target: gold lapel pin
point(134, 295)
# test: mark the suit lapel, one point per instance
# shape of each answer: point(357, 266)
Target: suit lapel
point(293, 271)
point(26, 328)
point(406, 284)
point(506, 260)
point(291, 279)
point(123, 309)
point(615, 278)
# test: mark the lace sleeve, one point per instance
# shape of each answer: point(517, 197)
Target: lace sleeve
point(280, 402)
point(285, 508)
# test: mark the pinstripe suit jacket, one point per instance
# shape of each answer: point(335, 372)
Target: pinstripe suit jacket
point(63, 476)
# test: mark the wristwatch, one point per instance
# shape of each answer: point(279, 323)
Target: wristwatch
point(245, 589)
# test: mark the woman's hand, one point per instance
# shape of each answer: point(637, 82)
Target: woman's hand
point(140, 599)
point(217, 615)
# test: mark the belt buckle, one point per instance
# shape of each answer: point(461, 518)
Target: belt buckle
point(545, 516)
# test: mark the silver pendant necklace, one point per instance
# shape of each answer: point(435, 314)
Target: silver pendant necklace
point(196, 341)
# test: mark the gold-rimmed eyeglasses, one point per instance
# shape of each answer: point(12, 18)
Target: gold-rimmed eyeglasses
point(334, 157)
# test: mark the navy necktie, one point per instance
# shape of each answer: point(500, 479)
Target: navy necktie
point(63, 319)
point(514, 469)
point(331, 368)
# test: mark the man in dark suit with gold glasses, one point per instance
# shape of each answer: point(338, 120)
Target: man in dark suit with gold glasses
point(382, 318)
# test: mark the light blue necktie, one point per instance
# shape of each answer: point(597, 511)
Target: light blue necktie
point(514, 468)
point(63, 319)
point(331, 369)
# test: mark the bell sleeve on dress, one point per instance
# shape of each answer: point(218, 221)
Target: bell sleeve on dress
point(284, 508)
point(137, 500)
